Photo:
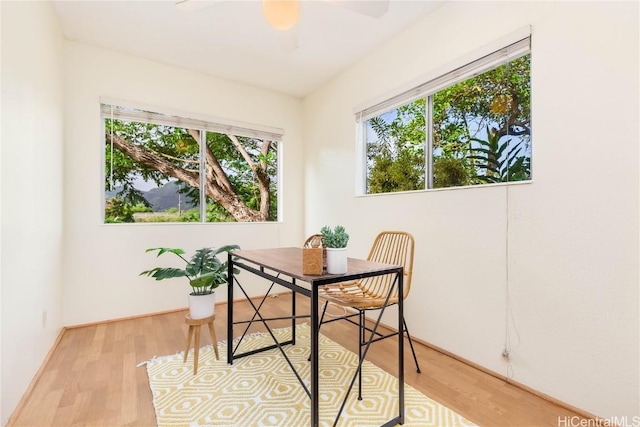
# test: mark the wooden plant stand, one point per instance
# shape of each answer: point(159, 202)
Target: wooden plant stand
point(194, 326)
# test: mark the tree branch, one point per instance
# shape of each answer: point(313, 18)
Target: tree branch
point(263, 179)
point(242, 151)
point(154, 161)
point(216, 173)
point(228, 200)
point(260, 171)
point(178, 159)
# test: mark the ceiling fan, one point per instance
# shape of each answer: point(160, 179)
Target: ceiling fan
point(283, 14)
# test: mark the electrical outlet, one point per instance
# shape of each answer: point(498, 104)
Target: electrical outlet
point(44, 319)
point(505, 354)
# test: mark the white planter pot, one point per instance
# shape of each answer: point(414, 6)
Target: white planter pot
point(336, 260)
point(202, 306)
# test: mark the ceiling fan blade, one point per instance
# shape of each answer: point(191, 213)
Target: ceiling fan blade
point(195, 5)
point(372, 8)
point(288, 39)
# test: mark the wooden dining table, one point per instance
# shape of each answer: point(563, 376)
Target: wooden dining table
point(283, 267)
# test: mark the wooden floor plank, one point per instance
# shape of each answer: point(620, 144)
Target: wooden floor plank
point(92, 378)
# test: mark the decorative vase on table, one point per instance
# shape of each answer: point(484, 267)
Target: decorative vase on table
point(336, 260)
point(336, 247)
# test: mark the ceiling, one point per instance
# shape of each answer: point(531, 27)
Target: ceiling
point(232, 40)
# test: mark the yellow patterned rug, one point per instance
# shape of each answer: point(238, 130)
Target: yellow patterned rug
point(261, 390)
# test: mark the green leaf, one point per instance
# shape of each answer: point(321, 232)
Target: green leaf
point(160, 273)
point(165, 250)
point(203, 281)
point(226, 248)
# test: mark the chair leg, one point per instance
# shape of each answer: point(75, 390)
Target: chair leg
point(324, 310)
point(415, 359)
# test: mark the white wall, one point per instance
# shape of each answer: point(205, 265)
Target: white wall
point(572, 232)
point(32, 191)
point(102, 262)
point(573, 247)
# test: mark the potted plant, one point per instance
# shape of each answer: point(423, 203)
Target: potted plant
point(336, 246)
point(204, 271)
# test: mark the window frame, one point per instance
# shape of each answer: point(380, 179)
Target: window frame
point(127, 111)
point(505, 50)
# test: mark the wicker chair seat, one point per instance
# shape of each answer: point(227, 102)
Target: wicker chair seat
point(356, 294)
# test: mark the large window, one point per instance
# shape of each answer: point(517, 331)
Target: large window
point(163, 168)
point(471, 126)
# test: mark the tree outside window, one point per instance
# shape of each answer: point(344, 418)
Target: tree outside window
point(159, 173)
point(480, 133)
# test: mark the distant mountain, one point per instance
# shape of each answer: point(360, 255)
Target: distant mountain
point(167, 196)
point(161, 198)
point(112, 193)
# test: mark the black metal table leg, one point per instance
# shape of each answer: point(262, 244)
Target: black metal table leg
point(315, 330)
point(293, 314)
point(230, 309)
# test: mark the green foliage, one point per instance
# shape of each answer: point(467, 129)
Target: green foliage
point(174, 144)
point(500, 161)
point(204, 270)
point(118, 210)
point(214, 213)
point(192, 215)
point(243, 178)
point(498, 99)
point(178, 148)
point(336, 238)
point(450, 172)
point(140, 208)
point(404, 173)
point(397, 157)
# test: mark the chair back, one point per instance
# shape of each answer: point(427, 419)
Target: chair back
point(391, 247)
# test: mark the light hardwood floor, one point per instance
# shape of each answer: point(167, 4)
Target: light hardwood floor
point(91, 378)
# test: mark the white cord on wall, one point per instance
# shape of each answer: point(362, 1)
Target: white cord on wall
point(510, 325)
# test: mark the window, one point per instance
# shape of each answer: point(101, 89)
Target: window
point(163, 168)
point(471, 126)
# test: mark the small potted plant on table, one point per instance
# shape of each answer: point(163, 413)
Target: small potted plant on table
point(204, 271)
point(336, 246)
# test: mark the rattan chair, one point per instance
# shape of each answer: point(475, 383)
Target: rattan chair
point(389, 247)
